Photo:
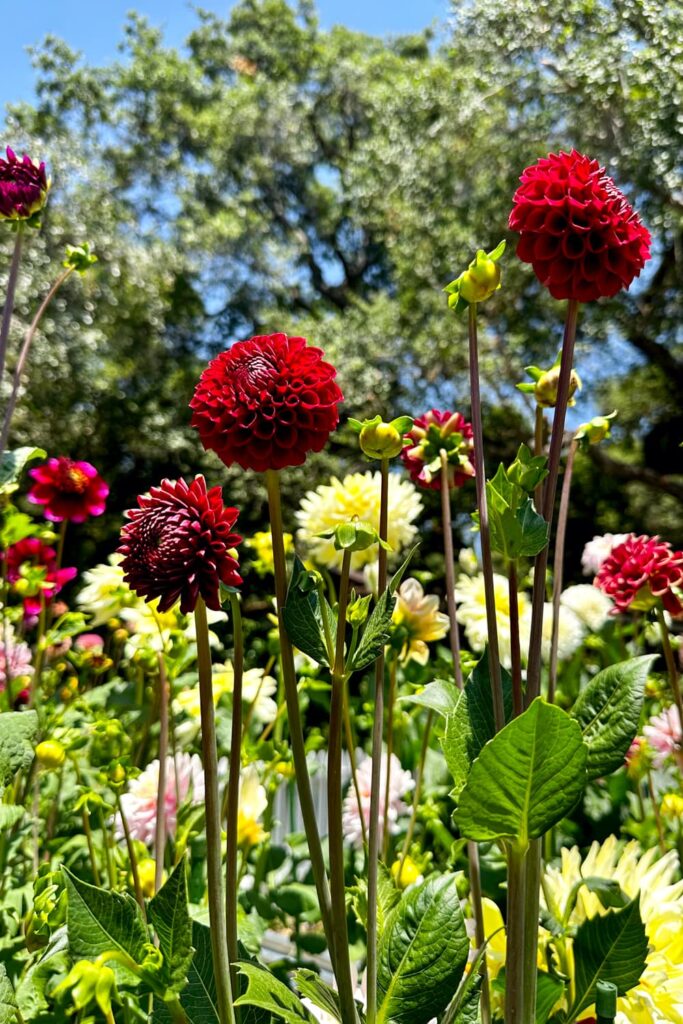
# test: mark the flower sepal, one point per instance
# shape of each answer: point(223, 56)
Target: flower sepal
point(596, 430)
point(478, 282)
point(545, 384)
point(379, 439)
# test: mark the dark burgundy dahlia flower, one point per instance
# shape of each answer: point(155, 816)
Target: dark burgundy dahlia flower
point(430, 434)
point(68, 489)
point(266, 403)
point(577, 228)
point(640, 571)
point(23, 187)
point(177, 544)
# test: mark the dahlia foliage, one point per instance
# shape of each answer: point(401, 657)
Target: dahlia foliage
point(361, 776)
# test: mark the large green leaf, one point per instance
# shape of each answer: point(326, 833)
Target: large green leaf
point(471, 724)
point(303, 618)
point(377, 632)
point(169, 914)
point(526, 778)
point(18, 731)
point(265, 991)
point(608, 711)
point(198, 999)
point(609, 947)
point(99, 920)
point(549, 991)
point(422, 953)
point(441, 696)
point(311, 986)
point(8, 1002)
point(12, 466)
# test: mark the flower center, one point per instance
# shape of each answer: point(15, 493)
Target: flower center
point(72, 479)
point(254, 375)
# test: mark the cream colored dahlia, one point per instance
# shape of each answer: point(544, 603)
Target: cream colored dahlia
point(471, 601)
point(419, 616)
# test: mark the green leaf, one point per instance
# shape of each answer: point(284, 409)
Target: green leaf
point(10, 815)
point(267, 992)
point(610, 947)
point(422, 953)
point(395, 580)
point(302, 616)
point(608, 891)
point(472, 724)
point(99, 920)
point(36, 981)
point(608, 712)
point(18, 731)
point(12, 466)
point(169, 915)
point(549, 991)
point(441, 696)
point(311, 986)
point(297, 899)
point(198, 999)
point(376, 634)
point(526, 779)
point(8, 1002)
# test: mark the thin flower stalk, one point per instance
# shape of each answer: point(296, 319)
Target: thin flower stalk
point(670, 662)
point(132, 858)
point(391, 703)
point(160, 824)
point(486, 559)
point(296, 735)
point(558, 567)
point(449, 558)
point(334, 804)
point(515, 651)
point(377, 729)
point(8, 307)
point(219, 937)
point(232, 813)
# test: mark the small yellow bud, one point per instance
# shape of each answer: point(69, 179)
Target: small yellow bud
point(409, 873)
point(381, 441)
point(480, 280)
point(545, 390)
point(51, 754)
point(146, 874)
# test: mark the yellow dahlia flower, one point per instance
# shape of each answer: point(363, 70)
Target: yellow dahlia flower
point(419, 616)
point(252, 804)
point(262, 545)
point(471, 601)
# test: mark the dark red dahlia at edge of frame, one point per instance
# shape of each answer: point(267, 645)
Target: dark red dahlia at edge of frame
point(266, 403)
point(23, 187)
point(177, 544)
point(577, 228)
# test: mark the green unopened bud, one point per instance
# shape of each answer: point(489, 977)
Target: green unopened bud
point(51, 754)
point(546, 388)
point(358, 610)
point(79, 258)
point(478, 282)
point(527, 471)
point(596, 430)
point(381, 440)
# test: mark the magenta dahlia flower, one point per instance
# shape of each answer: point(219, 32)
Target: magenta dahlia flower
point(32, 554)
point(640, 571)
point(266, 403)
point(68, 490)
point(23, 187)
point(430, 434)
point(577, 228)
point(177, 545)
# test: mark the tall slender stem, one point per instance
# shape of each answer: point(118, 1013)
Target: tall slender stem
point(417, 793)
point(393, 670)
point(334, 805)
point(449, 559)
point(139, 895)
point(670, 663)
point(296, 735)
point(351, 747)
point(8, 307)
point(160, 824)
point(486, 559)
point(219, 937)
point(539, 431)
point(514, 969)
point(23, 355)
point(558, 567)
point(232, 814)
point(60, 543)
point(376, 778)
point(515, 651)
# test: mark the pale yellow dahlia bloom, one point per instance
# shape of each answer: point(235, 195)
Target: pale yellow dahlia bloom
point(421, 619)
point(252, 805)
point(105, 594)
point(590, 604)
point(262, 545)
point(471, 601)
point(570, 634)
point(658, 998)
point(358, 494)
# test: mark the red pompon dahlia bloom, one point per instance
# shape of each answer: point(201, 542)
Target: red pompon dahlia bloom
point(68, 490)
point(641, 571)
point(35, 587)
point(266, 403)
point(577, 228)
point(23, 187)
point(429, 435)
point(177, 545)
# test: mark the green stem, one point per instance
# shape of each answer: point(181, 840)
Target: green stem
point(484, 533)
point(109, 860)
point(91, 846)
point(418, 791)
point(514, 967)
point(376, 778)
point(532, 906)
point(539, 431)
point(8, 307)
point(449, 559)
point(334, 804)
point(296, 735)
point(351, 747)
point(515, 652)
point(670, 662)
point(558, 567)
point(393, 668)
point(160, 824)
point(139, 895)
point(60, 545)
point(219, 938)
point(232, 816)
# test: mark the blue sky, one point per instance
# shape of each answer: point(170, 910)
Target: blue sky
point(94, 27)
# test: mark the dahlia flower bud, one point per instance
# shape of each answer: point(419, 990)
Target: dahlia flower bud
point(478, 282)
point(546, 382)
point(23, 188)
point(79, 258)
point(381, 440)
point(51, 754)
point(581, 236)
point(266, 403)
point(432, 433)
point(177, 544)
point(596, 430)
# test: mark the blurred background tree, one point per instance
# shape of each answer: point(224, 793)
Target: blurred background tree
point(274, 176)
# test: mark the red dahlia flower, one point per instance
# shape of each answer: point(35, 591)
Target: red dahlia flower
point(429, 434)
point(23, 187)
point(32, 554)
point(577, 229)
point(68, 490)
point(177, 545)
point(266, 402)
point(641, 570)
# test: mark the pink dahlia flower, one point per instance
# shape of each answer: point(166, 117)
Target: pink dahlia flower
point(663, 733)
point(68, 490)
point(184, 780)
point(400, 783)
